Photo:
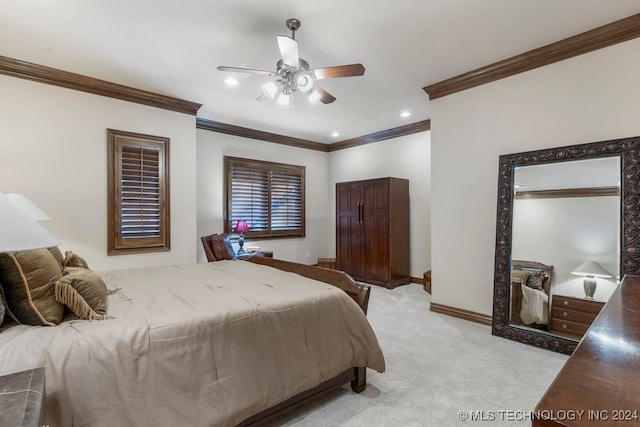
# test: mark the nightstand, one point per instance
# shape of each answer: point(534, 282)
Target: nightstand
point(22, 398)
point(571, 317)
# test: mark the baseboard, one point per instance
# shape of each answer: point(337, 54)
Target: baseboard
point(460, 313)
point(416, 280)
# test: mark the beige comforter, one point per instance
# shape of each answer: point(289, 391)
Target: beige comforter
point(194, 345)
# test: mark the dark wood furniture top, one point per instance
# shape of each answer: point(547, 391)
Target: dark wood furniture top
point(601, 377)
point(22, 398)
point(571, 317)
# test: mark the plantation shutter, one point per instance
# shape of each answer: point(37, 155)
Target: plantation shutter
point(250, 197)
point(269, 196)
point(140, 197)
point(138, 193)
point(286, 200)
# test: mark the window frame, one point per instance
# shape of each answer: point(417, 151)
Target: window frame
point(117, 245)
point(262, 165)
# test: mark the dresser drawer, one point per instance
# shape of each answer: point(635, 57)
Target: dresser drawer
point(560, 314)
point(577, 304)
point(569, 327)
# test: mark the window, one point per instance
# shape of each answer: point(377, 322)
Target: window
point(269, 196)
point(138, 205)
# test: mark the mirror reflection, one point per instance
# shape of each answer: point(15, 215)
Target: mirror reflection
point(565, 248)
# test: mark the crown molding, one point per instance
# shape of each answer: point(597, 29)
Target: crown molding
point(234, 130)
point(260, 135)
point(382, 135)
point(607, 35)
point(39, 73)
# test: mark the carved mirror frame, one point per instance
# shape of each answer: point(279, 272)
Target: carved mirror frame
point(629, 151)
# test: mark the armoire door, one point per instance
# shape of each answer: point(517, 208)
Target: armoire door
point(349, 236)
point(375, 229)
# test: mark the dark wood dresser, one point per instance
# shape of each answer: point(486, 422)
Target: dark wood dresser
point(599, 383)
point(571, 317)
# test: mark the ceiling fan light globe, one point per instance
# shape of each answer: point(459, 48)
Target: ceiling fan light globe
point(314, 97)
point(284, 99)
point(270, 90)
point(305, 82)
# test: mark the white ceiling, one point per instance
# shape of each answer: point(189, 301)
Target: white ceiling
point(173, 47)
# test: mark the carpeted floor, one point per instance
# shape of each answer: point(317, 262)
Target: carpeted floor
point(439, 370)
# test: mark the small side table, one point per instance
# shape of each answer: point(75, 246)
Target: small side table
point(22, 398)
point(571, 317)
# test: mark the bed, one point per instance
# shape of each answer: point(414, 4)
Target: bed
point(223, 343)
point(530, 290)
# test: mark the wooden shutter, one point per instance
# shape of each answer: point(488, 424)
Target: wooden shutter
point(269, 196)
point(138, 193)
point(286, 200)
point(250, 197)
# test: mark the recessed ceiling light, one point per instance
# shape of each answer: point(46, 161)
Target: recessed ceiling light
point(405, 114)
point(335, 134)
point(231, 81)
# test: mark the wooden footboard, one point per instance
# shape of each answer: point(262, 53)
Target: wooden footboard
point(357, 291)
point(357, 376)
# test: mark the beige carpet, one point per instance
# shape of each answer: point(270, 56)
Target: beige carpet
point(438, 367)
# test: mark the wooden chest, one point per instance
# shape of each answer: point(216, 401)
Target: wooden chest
point(571, 316)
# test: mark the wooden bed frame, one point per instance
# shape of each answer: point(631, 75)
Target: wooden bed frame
point(357, 376)
point(516, 288)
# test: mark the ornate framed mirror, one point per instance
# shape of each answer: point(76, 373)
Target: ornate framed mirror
point(623, 152)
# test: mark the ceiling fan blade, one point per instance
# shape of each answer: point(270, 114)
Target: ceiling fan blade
point(351, 70)
point(246, 70)
point(289, 51)
point(326, 97)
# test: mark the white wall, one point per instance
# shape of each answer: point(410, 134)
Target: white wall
point(54, 151)
point(404, 157)
point(589, 98)
point(211, 149)
point(565, 232)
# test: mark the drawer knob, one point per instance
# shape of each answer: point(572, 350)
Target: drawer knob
point(565, 302)
point(565, 314)
point(564, 326)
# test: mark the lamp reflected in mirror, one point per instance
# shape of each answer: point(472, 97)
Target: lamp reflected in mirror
point(590, 270)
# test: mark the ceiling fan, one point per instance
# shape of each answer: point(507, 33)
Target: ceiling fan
point(293, 73)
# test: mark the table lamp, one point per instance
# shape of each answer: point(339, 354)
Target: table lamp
point(18, 231)
point(28, 206)
point(591, 270)
point(241, 227)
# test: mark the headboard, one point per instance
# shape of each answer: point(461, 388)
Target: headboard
point(547, 270)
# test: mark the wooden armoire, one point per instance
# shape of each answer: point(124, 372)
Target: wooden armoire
point(372, 230)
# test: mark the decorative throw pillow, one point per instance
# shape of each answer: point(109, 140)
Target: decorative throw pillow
point(28, 281)
point(222, 247)
point(74, 260)
point(84, 292)
point(535, 280)
point(57, 254)
point(519, 276)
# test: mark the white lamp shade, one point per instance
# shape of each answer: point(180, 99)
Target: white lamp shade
point(28, 206)
point(591, 268)
point(18, 232)
point(270, 89)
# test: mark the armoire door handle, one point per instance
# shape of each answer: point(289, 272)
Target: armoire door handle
point(360, 215)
